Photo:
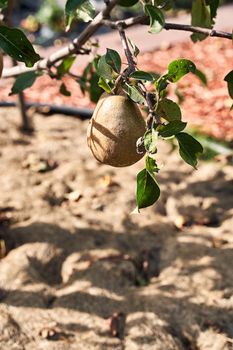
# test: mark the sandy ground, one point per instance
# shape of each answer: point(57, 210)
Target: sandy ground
point(79, 271)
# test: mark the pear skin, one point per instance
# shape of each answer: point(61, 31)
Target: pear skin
point(114, 129)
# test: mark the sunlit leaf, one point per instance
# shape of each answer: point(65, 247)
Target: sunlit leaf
point(141, 75)
point(157, 20)
point(80, 9)
point(135, 95)
point(172, 128)
point(148, 191)
point(150, 141)
point(65, 66)
point(169, 110)
point(104, 85)
point(201, 17)
point(189, 148)
point(103, 69)
point(151, 165)
point(23, 82)
point(14, 43)
point(113, 59)
point(178, 68)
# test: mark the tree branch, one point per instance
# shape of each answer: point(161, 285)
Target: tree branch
point(206, 31)
point(72, 48)
point(128, 53)
point(102, 19)
point(129, 22)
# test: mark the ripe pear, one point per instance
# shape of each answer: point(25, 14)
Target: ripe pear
point(114, 129)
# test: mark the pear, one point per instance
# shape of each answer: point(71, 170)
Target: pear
point(114, 129)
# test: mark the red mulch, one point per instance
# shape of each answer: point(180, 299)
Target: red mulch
point(208, 107)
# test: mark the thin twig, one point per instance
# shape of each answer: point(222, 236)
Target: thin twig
point(205, 31)
point(131, 64)
point(131, 21)
point(128, 54)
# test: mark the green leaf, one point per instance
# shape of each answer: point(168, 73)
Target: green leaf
point(127, 3)
point(161, 85)
point(103, 69)
point(113, 59)
point(72, 5)
point(86, 12)
point(135, 49)
point(80, 9)
point(141, 75)
point(171, 129)
point(229, 79)
point(189, 148)
point(201, 17)
point(201, 76)
point(169, 110)
point(165, 4)
point(63, 90)
point(135, 95)
point(104, 85)
point(155, 75)
point(65, 66)
point(3, 4)
point(15, 44)
point(150, 141)
point(148, 191)
point(83, 81)
point(151, 165)
point(95, 90)
point(213, 4)
point(178, 68)
point(157, 20)
point(23, 82)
